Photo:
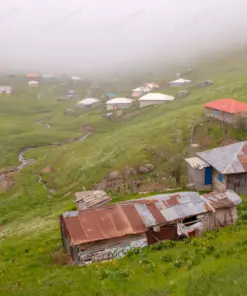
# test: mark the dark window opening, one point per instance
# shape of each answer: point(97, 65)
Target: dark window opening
point(190, 220)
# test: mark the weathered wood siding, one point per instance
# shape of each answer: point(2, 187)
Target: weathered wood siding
point(166, 232)
point(110, 249)
point(220, 218)
point(220, 115)
point(65, 236)
point(237, 183)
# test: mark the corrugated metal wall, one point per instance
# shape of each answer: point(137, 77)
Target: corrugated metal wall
point(166, 232)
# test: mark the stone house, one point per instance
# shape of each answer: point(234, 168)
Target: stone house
point(220, 168)
point(225, 109)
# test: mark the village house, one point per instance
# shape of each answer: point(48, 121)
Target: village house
point(142, 90)
point(75, 78)
point(118, 103)
point(151, 85)
point(5, 90)
point(154, 99)
point(139, 91)
point(220, 168)
point(179, 82)
point(48, 76)
point(111, 95)
point(88, 102)
point(33, 75)
point(90, 199)
point(33, 83)
point(71, 93)
point(225, 109)
point(110, 231)
point(183, 93)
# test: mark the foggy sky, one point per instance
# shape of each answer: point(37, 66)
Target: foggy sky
point(77, 35)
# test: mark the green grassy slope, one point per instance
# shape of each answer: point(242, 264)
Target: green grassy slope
point(29, 235)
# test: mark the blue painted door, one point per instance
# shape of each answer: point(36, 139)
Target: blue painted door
point(208, 176)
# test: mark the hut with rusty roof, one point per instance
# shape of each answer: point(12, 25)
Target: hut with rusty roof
point(110, 231)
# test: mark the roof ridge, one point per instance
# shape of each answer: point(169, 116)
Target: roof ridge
point(233, 101)
point(235, 157)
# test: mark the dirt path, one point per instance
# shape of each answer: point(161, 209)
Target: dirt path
point(26, 162)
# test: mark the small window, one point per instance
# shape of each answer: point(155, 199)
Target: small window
point(217, 112)
point(220, 178)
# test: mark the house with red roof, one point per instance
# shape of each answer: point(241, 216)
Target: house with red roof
point(225, 109)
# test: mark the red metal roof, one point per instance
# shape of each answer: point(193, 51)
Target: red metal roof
point(227, 105)
point(104, 223)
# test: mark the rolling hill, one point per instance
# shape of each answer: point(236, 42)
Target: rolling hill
point(31, 260)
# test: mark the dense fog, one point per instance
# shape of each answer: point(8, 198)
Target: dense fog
point(80, 36)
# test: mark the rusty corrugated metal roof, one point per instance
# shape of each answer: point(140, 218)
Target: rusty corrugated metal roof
point(136, 216)
point(223, 199)
point(103, 223)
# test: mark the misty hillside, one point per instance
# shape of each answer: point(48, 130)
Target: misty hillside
point(71, 75)
point(30, 238)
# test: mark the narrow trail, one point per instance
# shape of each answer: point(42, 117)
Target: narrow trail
point(27, 162)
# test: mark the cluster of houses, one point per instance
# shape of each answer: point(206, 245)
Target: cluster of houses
point(98, 231)
point(123, 103)
point(144, 93)
point(34, 78)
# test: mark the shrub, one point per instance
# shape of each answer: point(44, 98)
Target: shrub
point(134, 252)
point(163, 245)
point(178, 263)
point(166, 258)
point(217, 255)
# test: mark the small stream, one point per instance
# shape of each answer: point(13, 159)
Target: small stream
point(26, 162)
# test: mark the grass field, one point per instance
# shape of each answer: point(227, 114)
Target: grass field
point(30, 246)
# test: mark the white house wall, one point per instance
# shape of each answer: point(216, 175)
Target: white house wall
point(117, 106)
point(151, 102)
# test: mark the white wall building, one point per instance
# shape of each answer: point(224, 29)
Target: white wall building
point(154, 99)
point(75, 78)
point(5, 90)
point(88, 102)
point(118, 103)
point(33, 83)
point(179, 82)
point(139, 91)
